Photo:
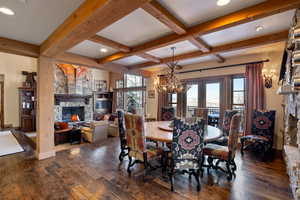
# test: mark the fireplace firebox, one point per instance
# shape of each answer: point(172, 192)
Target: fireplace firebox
point(67, 113)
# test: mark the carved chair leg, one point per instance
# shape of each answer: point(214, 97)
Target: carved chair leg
point(210, 163)
point(197, 177)
point(229, 176)
point(242, 147)
point(233, 165)
point(129, 165)
point(201, 165)
point(146, 165)
point(122, 155)
point(171, 180)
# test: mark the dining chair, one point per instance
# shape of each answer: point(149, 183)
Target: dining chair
point(222, 153)
point(262, 132)
point(136, 142)
point(201, 112)
point(186, 151)
point(228, 114)
point(167, 113)
point(122, 135)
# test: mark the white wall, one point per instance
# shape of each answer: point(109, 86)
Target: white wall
point(11, 67)
point(273, 101)
point(101, 75)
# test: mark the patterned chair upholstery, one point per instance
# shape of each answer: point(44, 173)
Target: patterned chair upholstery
point(228, 114)
point(167, 113)
point(225, 153)
point(203, 113)
point(186, 153)
point(136, 142)
point(122, 135)
point(262, 132)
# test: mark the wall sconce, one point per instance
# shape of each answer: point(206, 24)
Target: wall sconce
point(268, 77)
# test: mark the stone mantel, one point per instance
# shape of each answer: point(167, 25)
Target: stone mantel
point(72, 98)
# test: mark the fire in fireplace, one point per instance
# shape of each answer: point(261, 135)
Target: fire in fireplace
point(68, 112)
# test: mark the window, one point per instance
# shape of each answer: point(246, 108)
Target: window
point(191, 99)
point(238, 93)
point(131, 86)
point(172, 100)
point(238, 97)
point(133, 81)
point(119, 84)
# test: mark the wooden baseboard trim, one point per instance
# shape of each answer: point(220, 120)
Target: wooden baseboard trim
point(45, 155)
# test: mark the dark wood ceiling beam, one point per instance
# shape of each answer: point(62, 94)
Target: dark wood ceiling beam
point(31, 50)
point(258, 41)
point(219, 58)
point(91, 17)
point(109, 43)
point(19, 48)
point(121, 47)
point(203, 46)
point(149, 57)
point(164, 16)
point(246, 15)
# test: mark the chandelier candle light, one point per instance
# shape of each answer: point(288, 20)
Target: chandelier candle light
point(171, 84)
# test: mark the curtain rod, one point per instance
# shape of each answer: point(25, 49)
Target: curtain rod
point(224, 66)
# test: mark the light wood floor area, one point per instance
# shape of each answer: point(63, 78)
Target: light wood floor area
point(94, 172)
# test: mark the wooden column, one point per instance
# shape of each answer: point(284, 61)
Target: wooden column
point(45, 107)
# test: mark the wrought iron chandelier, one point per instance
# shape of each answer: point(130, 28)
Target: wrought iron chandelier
point(171, 83)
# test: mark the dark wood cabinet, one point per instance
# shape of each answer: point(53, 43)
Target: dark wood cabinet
point(27, 109)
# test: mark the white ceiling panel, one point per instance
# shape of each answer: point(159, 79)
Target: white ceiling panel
point(135, 28)
point(192, 12)
point(271, 24)
point(132, 60)
point(34, 20)
point(181, 47)
point(91, 49)
point(261, 50)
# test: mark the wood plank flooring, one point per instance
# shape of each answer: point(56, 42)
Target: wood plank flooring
point(94, 172)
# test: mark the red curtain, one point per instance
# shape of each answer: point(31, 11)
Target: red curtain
point(255, 92)
point(162, 99)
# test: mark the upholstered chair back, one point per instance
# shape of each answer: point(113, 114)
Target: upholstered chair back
point(187, 145)
point(234, 134)
point(135, 135)
point(167, 113)
point(203, 113)
point(228, 114)
point(263, 123)
point(121, 124)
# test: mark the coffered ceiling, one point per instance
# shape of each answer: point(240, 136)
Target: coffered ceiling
point(35, 20)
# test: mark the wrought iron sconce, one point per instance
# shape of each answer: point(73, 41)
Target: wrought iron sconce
point(268, 77)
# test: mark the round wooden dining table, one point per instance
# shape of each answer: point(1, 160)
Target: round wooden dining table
point(161, 132)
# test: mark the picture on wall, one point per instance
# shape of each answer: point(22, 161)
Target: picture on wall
point(100, 85)
point(151, 94)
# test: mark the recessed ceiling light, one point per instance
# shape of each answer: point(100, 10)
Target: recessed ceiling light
point(259, 28)
point(6, 11)
point(103, 50)
point(223, 2)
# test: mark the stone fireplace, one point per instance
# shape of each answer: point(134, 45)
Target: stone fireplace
point(86, 116)
point(291, 106)
point(73, 93)
point(68, 112)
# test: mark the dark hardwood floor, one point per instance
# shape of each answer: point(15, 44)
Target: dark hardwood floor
point(94, 172)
